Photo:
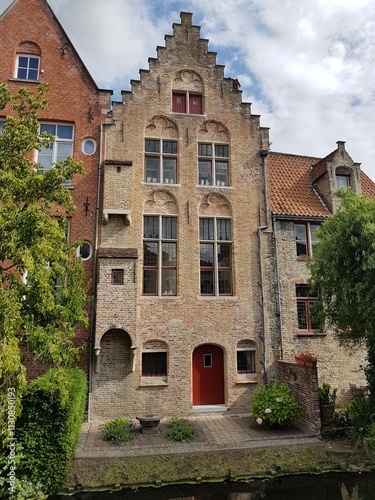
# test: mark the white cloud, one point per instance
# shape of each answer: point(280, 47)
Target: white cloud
point(308, 66)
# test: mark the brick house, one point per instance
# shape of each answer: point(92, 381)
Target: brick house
point(35, 48)
point(179, 314)
point(301, 198)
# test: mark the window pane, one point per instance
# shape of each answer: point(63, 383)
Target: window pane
point(150, 254)
point(1, 126)
point(207, 282)
point(169, 169)
point(246, 361)
point(342, 181)
point(225, 282)
point(168, 282)
point(206, 255)
point(170, 147)
point(48, 128)
point(302, 315)
point(154, 364)
point(223, 229)
point(117, 276)
point(204, 149)
point(169, 228)
point(33, 74)
point(169, 254)
point(206, 229)
point(224, 255)
point(64, 132)
point(305, 291)
point(45, 157)
point(301, 241)
point(150, 281)
point(64, 150)
point(313, 228)
point(221, 173)
point(22, 73)
point(152, 168)
point(221, 150)
point(151, 227)
point(33, 62)
point(152, 146)
point(204, 172)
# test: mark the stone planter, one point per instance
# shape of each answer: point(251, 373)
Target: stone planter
point(326, 413)
point(149, 423)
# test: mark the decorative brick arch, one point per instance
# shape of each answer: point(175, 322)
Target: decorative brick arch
point(187, 79)
point(212, 130)
point(215, 204)
point(162, 126)
point(162, 202)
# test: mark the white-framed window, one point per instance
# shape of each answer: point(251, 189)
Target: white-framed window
point(342, 181)
point(215, 256)
point(304, 233)
point(85, 251)
point(159, 255)
point(59, 150)
point(213, 163)
point(27, 67)
point(89, 146)
point(161, 161)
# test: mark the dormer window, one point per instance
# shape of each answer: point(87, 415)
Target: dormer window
point(187, 102)
point(27, 67)
point(342, 181)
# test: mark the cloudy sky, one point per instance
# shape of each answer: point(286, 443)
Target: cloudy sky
point(307, 66)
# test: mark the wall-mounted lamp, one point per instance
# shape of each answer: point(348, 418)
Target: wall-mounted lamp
point(64, 49)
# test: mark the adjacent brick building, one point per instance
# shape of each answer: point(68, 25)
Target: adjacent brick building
point(34, 47)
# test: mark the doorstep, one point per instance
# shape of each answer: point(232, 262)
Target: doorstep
point(208, 408)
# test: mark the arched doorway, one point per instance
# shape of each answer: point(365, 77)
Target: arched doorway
point(208, 375)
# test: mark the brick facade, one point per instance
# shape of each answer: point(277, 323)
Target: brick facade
point(30, 27)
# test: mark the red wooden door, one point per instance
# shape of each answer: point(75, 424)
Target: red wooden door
point(208, 375)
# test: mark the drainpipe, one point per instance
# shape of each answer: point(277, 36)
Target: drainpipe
point(278, 287)
point(263, 154)
point(95, 271)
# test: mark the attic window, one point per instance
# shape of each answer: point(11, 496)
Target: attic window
point(342, 181)
point(27, 67)
point(186, 102)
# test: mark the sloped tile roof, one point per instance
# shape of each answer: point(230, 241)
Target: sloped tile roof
point(291, 193)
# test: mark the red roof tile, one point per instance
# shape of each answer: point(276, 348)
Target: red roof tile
point(291, 193)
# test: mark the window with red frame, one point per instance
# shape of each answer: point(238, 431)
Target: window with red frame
point(304, 233)
point(305, 300)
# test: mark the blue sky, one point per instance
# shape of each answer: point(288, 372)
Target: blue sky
point(307, 66)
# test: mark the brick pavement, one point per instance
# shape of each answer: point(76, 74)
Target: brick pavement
point(216, 432)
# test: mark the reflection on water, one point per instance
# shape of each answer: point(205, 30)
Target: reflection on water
point(334, 486)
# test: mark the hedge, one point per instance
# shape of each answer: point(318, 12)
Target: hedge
point(50, 425)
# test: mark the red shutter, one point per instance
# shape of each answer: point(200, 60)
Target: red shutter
point(195, 104)
point(179, 103)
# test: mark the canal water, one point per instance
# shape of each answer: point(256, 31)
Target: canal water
point(332, 486)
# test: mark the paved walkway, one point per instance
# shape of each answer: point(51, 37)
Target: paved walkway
point(216, 432)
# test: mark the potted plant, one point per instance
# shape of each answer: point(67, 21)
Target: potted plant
point(306, 358)
point(327, 401)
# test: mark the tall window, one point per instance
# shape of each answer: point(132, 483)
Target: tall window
point(305, 300)
point(215, 256)
point(27, 67)
point(305, 238)
point(2, 122)
point(161, 161)
point(186, 102)
point(213, 160)
point(59, 150)
point(160, 255)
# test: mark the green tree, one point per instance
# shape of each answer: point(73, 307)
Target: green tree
point(343, 270)
point(42, 290)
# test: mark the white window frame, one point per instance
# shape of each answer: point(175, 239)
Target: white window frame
point(27, 68)
point(55, 154)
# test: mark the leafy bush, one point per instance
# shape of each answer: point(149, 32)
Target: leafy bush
point(180, 429)
point(361, 414)
point(326, 395)
point(274, 405)
point(119, 430)
point(50, 425)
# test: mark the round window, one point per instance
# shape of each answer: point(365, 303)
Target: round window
point(84, 250)
point(89, 146)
